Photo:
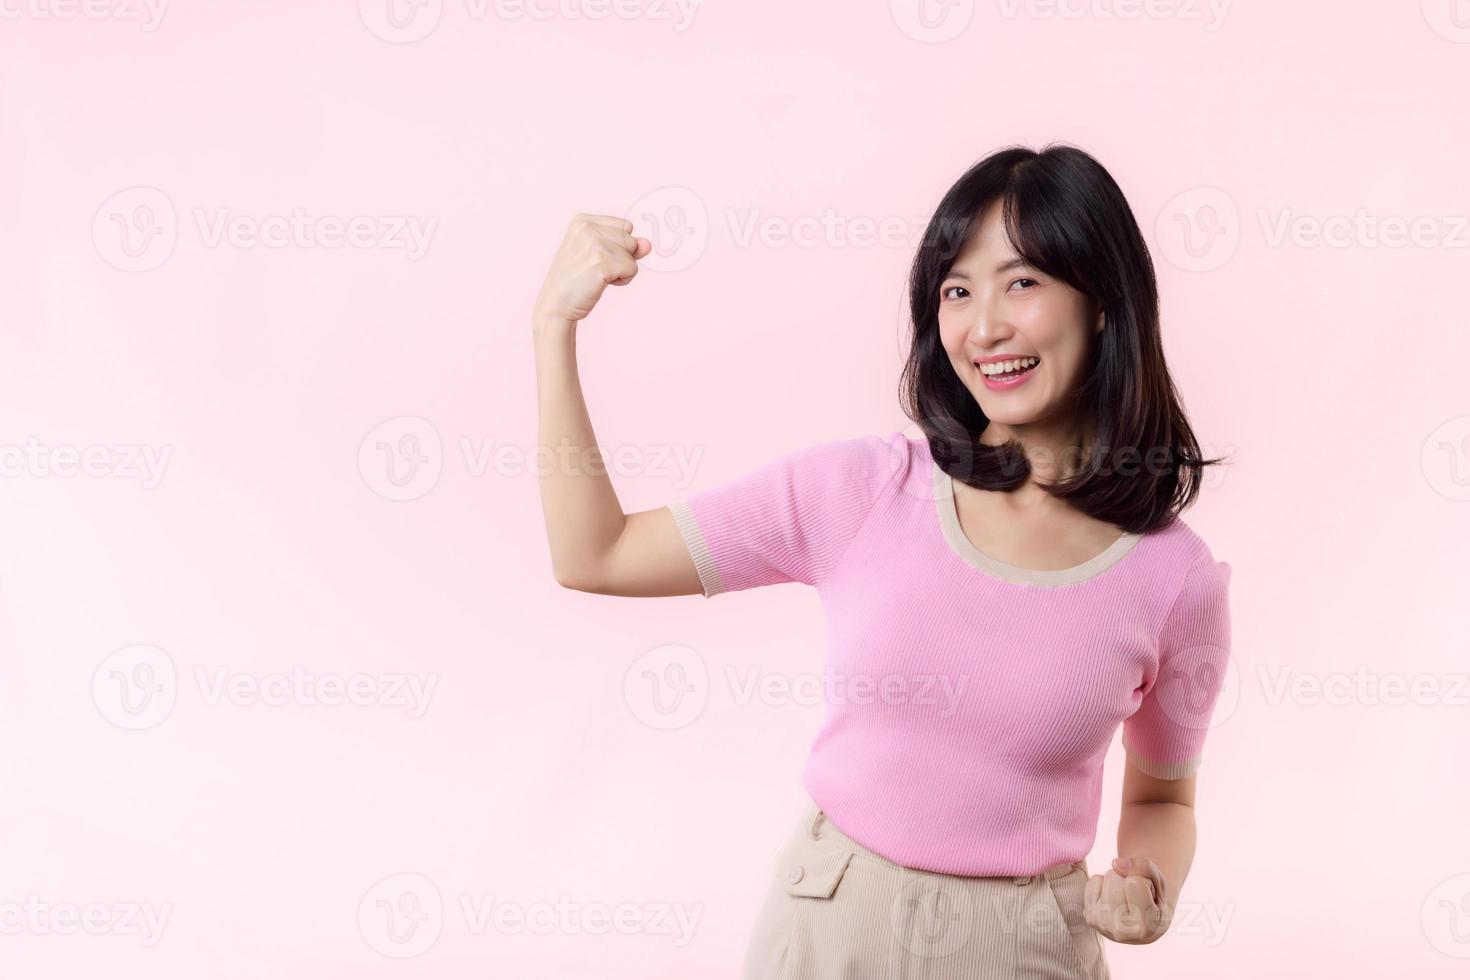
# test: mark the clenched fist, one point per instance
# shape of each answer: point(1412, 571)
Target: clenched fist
point(1127, 904)
point(597, 250)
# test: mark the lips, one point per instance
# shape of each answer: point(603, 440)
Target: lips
point(1006, 365)
point(1003, 372)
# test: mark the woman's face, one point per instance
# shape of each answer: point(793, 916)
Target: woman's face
point(994, 307)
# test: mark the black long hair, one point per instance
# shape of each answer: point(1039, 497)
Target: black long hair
point(1066, 216)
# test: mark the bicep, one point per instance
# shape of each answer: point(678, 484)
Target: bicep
point(649, 558)
point(787, 520)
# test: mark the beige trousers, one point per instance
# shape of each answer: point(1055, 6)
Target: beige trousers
point(835, 910)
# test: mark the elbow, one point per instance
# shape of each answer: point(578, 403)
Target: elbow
point(573, 579)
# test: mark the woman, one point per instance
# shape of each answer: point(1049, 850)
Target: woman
point(1011, 587)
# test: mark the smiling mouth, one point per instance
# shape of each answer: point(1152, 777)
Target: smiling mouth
point(1006, 370)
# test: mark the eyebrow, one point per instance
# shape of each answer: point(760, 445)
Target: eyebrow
point(1006, 266)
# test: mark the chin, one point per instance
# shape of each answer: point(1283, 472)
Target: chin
point(1010, 411)
point(1012, 417)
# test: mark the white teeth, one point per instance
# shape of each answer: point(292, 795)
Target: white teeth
point(1006, 367)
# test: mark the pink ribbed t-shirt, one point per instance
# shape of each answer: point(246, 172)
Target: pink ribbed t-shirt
point(970, 703)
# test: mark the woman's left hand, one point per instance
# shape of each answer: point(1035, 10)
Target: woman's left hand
point(1128, 903)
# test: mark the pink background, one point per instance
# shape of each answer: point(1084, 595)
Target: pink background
point(274, 384)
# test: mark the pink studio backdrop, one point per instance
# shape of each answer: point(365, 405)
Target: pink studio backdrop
point(286, 685)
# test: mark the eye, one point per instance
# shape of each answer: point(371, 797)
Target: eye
point(1024, 279)
point(945, 293)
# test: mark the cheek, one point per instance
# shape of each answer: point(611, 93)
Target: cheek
point(952, 336)
point(1054, 334)
point(1043, 325)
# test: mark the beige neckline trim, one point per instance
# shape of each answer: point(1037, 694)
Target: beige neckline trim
point(954, 536)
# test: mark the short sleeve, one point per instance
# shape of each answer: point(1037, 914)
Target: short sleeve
point(1165, 736)
point(790, 519)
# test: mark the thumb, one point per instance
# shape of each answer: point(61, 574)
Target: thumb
point(1146, 868)
point(642, 247)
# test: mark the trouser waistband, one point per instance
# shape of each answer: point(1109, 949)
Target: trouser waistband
point(821, 826)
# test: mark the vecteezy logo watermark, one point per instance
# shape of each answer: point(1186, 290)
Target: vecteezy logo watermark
point(1365, 687)
point(1363, 230)
point(679, 13)
point(136, 230)
point(1445, 458)
point(1205, 920)
point(123, 461)
point(675, 222)
point(937, 691)
point(137, 687)
point(678, 224)
point(1198, 229)
point(1450, 19)
point(667, 687)
point(568, 916)
point(1209, 12)
point(400, 21)
point(402, 458)
point(829, 230)
point(1445, 916)
point(1194, 690)
point(406, 21)
point(408, 233)
point(148, 14)
point(931, 917)
point(932, 21)
point(403, 915)
point(37, 917)
point(302, 688)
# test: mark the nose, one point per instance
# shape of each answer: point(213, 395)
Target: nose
point(990, 325)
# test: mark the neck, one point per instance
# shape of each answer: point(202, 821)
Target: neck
point(1054, 448)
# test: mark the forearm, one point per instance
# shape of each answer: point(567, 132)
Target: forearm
point(582, 512)
point(1164, 832)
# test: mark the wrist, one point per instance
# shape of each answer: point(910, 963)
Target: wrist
point(551, 324)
